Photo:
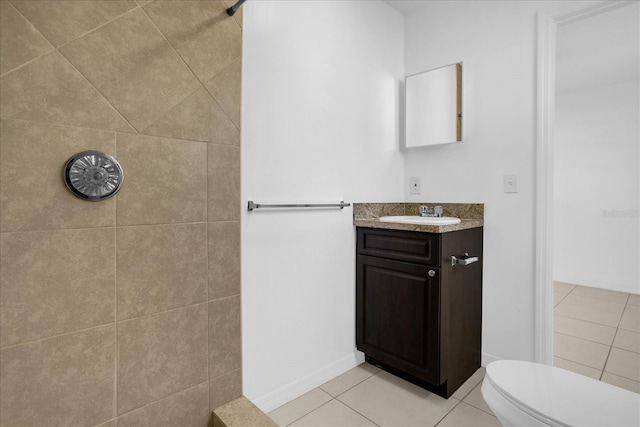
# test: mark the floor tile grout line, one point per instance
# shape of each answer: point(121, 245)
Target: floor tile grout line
point(611, 346)
point(447, 414)
point(332, 398)
point(311, 411)
point(479, 409)
point(469, 392)
point(604, 299)
point(353, 409)
point(355, 385)
point(573, 361)
point(584, 339)
point(562, 299)
point(605, 364)
point(347, 405)
point(593, 301)
point(576, 318)
point(583, 320)
point(358, 412)
point(577, 363)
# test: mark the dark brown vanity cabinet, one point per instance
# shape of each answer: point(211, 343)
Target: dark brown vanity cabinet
point(418, 314)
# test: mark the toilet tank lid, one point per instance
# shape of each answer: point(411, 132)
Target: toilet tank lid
point(563, 397)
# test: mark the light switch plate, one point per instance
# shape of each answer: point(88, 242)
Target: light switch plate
point(510, 183)
point(414, 185)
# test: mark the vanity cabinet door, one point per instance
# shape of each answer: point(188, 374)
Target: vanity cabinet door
point(397, 310)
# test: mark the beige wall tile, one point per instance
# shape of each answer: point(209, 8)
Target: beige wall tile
point(168, 270)
point(50, 90)
point(19, 40)
point(226, 89)
point(197, 118)
point(161, 354)
point(239, 16)
point(203, 34)
point(32, 193)
point(165, 180)
point(225, 352)
point(55, 282)
point(62, 21)
point(224, 183)
point(52, 109)
point(130, 62)
point(225, 388)
point(186, 408)
point(65, 380)
point(224, 259)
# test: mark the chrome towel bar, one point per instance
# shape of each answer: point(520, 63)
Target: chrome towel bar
point(251, 206)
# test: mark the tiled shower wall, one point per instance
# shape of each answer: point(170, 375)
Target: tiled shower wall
point(125, 310)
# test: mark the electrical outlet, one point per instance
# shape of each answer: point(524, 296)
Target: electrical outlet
point(414, 185)
point(510, 183)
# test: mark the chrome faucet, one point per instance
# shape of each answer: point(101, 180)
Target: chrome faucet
point(431, 211)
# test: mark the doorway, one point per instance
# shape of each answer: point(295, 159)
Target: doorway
point(588, 183)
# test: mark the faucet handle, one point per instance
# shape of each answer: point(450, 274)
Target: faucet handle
point(426, 210)
point(438, 210)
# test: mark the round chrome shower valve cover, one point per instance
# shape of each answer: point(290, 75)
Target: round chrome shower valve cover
point(93, 175)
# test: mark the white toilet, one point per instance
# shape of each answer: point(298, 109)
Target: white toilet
point(525, 394)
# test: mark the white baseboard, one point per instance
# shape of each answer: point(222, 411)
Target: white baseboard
point(487, 358)
point(297, 388)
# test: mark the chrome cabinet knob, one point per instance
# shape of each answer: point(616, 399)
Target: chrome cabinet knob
point(431, 273)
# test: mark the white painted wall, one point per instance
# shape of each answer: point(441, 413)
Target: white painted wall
point(320, 123)
point(496, 41)
point(596, 170)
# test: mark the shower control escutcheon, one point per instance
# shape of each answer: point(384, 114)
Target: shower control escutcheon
point(93, 175)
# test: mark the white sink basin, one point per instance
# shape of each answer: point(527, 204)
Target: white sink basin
point(422, 220)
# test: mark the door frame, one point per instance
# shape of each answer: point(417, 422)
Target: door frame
point(548, 24)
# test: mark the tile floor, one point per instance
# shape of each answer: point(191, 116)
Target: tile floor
point(368, 396)
point(597, 334)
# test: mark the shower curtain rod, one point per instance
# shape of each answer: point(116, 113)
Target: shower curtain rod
point(233, 9)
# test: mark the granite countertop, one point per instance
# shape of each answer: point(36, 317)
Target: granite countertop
point(366, 215)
